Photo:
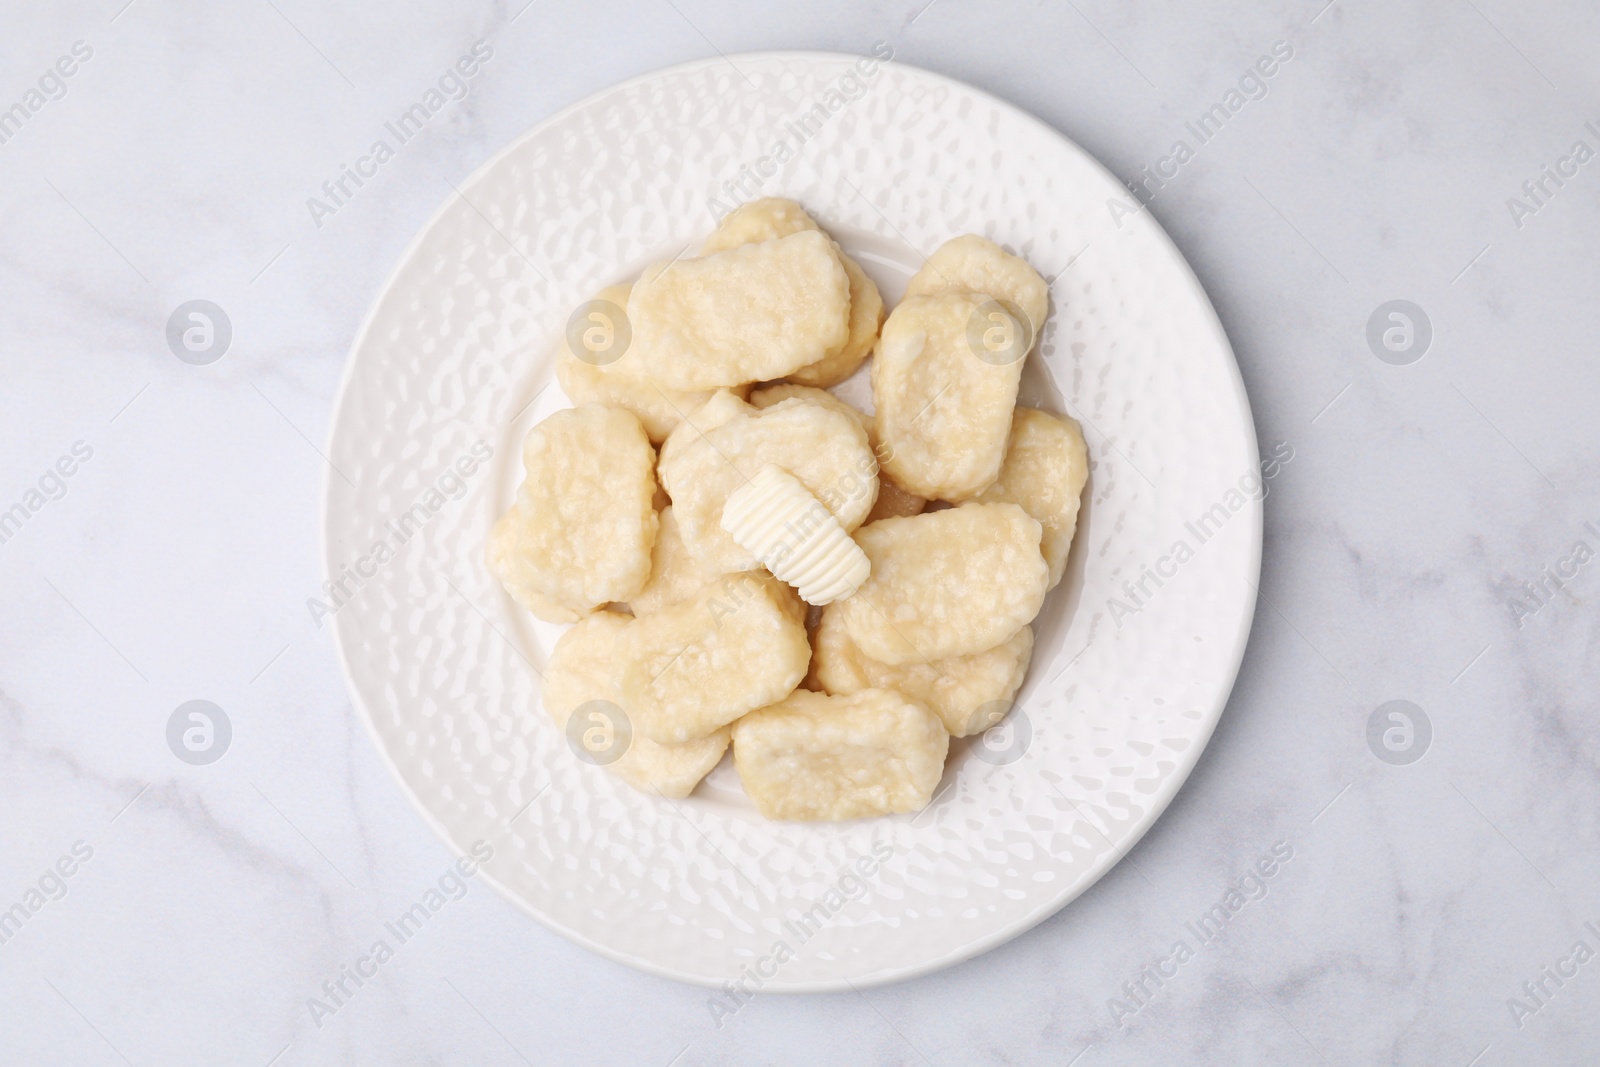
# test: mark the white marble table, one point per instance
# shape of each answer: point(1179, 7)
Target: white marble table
point(207, 903)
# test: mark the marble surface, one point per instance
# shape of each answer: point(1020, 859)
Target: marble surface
point(1413, 906)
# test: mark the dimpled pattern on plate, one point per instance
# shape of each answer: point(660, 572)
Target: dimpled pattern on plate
point(458, 350)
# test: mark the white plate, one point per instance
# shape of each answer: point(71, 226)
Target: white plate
point(456, 354)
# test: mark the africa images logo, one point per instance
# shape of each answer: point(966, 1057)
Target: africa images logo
point(351, 578)
point(454, 84)
point(51, 86)
point(802, 127)
point(1139, 591)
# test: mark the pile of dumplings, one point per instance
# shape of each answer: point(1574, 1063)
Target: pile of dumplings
point(692, 381)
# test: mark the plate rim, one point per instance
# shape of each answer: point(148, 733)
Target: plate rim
point(1159, 802)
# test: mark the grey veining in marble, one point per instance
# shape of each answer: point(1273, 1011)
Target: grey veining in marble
point(1422, 545)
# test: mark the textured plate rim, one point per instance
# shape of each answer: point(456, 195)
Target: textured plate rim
point(1158, 803)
